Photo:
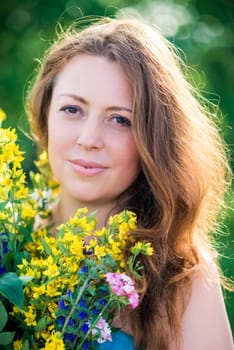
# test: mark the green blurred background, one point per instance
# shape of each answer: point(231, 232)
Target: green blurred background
point(203, 30)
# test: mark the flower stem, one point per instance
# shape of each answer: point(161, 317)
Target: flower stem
point(93, 324)
point(74, 305)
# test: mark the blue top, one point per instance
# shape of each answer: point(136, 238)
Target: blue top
point(120, 340)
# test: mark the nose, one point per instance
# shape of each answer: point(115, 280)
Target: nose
point(90, 134)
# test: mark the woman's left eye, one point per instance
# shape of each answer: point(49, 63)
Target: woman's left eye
point(121, 120)
point(72, 110)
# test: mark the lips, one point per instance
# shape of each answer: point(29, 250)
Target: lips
point(86, 168)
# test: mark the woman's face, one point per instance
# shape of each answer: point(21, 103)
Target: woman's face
point(91, 146)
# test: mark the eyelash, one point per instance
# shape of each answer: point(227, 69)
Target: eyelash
point(123, 121)
point(74, 110)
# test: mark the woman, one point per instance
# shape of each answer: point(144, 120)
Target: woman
point(124, 130)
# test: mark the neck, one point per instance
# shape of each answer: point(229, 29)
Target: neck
point(64, 209)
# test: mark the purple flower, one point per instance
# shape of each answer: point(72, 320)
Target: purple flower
point(82, 303)
point(69, 293)
point(61, 320)
point(4, 247)
point(83, 270)
point(95, 312)
point(3, 251)
point(85, 327)
point(2, 270)
point(86, 344)
point(62, 305)
point(102, 302)
point(69, 337)
point(82, 315)
point(71, 323)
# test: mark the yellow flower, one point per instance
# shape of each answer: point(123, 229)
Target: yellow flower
point(54, 342)
point(71, 281)
point(3, 192)
point(70, 264)
point(30, 316)
point(42, 160)
point(29, 269)
point(76, 247)
point(67, 239)
point(123, 228)
point(55, 251)
point(81, 211)
point(23, 265)
point(3, 216)
point(18, 173)
point(45, 334)
point(99, 251)
point(132, 221)
point(2, 115)
point(15, 311)
point(52, 307)
point(52, 289)
point(7, 183)
point(92, 243)
point(52, 269)
point(27, 211)
point(11, 153)
point(18, 344)
point(116, 251)
point(149, 249)
point(101, 233)
point(22, 192)
point(142, 247)
point(37, 291)
point(82, 223)
point(7, 135)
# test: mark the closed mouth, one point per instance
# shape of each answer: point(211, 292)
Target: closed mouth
point(87, 168)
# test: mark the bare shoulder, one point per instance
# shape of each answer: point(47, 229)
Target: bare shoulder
point(205, 324)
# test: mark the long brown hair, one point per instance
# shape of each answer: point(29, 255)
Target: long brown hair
point(180, 189)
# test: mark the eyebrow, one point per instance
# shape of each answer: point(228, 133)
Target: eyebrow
point(82, 100)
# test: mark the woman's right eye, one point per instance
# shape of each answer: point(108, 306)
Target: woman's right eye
point(72, 110)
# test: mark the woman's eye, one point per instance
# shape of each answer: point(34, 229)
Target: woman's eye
point(122, 121)
point(72, 110)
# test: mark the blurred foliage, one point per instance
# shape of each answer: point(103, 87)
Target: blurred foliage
point(204, 30)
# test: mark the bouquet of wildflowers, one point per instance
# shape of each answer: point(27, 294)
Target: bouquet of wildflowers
point(63, 291)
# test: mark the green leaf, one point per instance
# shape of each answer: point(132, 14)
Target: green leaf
point(41, 324)
point(3, 205)
point(11, 288)
point(6, 338)
point(25, 345)
point(91, 290)
point(3, 318)
point(9, 259)
point(46, 246)
point(27, 231)
point(19, 256)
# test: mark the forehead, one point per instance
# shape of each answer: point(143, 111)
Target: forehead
point(93, 75)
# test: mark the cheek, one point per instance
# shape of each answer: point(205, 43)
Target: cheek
point(131, 157)
point(56, 146)
point(58, 137)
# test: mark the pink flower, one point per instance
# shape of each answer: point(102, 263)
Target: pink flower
point(103, 328)
point(133, 299)
point(122, 285)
